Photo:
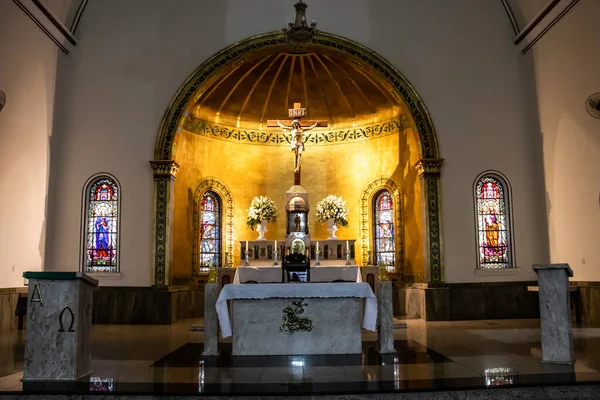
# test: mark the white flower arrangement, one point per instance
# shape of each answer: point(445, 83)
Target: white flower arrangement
point(261, 208)
point(333, 207)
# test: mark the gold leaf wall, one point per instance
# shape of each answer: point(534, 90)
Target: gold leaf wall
point(250, 170)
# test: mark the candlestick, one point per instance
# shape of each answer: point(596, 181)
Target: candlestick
point(275, 258)
point(247, 258)
point(318, 261)
point(348, 257)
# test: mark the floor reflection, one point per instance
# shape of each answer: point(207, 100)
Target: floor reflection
point(429, 356)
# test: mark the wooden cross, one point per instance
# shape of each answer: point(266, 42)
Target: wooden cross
point(297, 113)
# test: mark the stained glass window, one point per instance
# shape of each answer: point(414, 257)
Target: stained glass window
point(210, 231)
point(492, 223)
point(384, 244)
point(102, 225)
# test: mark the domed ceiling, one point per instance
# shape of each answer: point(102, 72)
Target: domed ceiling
point(250, 91)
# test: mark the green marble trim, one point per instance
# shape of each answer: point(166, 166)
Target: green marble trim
point(59, 276)
point(165, 147)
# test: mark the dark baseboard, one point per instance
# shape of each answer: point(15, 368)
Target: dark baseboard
point(145, 305)
point(11, 309)
point(466, 301)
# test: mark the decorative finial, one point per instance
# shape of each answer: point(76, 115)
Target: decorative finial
point(299, 31)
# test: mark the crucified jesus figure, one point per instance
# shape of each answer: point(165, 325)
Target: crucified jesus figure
point(297, 140)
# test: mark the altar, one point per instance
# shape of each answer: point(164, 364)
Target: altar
point(296, 318)
point(319, 309)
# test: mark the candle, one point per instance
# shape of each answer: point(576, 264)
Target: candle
point(276, 245)
point(347, 246)
point(246, 245)
point(317, 246)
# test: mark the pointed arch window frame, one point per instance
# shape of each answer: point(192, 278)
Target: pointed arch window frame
point(366, 220)
point(85, 209)
point(227, 222)
point(510, 251)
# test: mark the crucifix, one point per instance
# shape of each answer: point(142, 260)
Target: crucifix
point(297, 126)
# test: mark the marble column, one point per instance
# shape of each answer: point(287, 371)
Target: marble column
point(211, 321)
point(164, 181)
point(59, 318)
point(429, 170)
point(555, 313)
point(385, 315)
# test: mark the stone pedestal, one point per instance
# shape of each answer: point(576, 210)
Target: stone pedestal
point(59, 318)
point(555, 313)
point(211, 321)
point(385, 315)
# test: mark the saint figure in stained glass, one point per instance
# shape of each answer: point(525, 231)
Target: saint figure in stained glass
point(384, 240)
point(102, 214)
point(210, 231)
point(492, 223)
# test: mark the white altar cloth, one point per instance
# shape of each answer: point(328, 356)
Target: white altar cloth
point(317, 274)
point(296, 291)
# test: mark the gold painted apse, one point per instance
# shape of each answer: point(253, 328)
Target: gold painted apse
point(224, 136)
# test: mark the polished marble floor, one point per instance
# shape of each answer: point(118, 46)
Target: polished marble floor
point(429, 356)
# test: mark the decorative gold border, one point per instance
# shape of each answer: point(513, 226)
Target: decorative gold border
point(366, 215)
point(277, 138)
point(215, 185)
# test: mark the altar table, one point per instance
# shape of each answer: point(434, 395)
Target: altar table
point(333, 308)
point(350, 273)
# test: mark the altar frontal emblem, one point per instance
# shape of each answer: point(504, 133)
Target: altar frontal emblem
point(292, 322)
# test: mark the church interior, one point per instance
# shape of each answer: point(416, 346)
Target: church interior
point(262, 198)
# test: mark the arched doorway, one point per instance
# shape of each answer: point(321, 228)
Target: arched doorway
point(427, 166)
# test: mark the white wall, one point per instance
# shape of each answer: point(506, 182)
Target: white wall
point(27, 76)
point(567, 61)
point(133, 55)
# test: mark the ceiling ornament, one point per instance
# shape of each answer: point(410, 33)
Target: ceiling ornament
point(299, 31)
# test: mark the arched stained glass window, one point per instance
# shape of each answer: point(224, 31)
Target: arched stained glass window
point(493, 230)
point(210, 231)
point(384, 229)
point(102, 215)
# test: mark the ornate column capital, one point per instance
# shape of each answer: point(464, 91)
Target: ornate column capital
point(164, 168)
point(429, 166)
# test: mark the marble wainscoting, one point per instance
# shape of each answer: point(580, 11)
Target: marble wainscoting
point(466, 301)
point(9, 299)
point(146, 305)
